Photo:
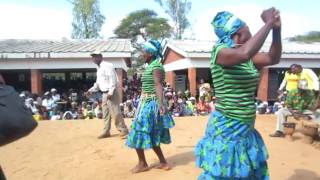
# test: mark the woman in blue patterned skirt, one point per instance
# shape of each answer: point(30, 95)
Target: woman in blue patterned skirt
point(231, 147)
point(150, 127)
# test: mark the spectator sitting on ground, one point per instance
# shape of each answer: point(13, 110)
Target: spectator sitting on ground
point(202, 107)
point(169, 101)
point(67, 115)
point(191, 106)
point(22, 96)
point(73, 95)
point(129, 110)
point(179, 108)
point(97, 109)
point(135, 100)
point(48, 102)
point(55, 114)
point(205, 91)
point(80, 114)
point(187, 94)
point(34, 109)
point(55, 96)
point(30, 104)
point(167, 88)
point(87, 112)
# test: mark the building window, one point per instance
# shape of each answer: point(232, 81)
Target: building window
point(76, 76)
point(54, 76)
point(22, 77)
point(90, 75)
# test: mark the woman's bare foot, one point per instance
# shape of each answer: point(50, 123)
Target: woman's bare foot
point(140, 168)
point(163, 166)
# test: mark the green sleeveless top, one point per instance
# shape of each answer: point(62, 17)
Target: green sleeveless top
point(235, 88)
point(148, 85)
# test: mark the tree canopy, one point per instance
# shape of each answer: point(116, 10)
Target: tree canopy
point(177, 10)
point(87, 19)
point(145, 23)
point(310, 37)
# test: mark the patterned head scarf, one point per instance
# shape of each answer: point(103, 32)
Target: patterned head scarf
point(153, 47)
point(225, 25)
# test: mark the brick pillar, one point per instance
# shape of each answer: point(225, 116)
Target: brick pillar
point(120, 74)
point(36, 81)
point(171, 79)
point(263, 85)
point(192, 73)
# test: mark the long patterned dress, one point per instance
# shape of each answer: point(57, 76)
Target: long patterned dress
point(149, 128)
point(231, 148)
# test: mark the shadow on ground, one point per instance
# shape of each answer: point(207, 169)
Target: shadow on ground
point(181, 158)
point(302, 174)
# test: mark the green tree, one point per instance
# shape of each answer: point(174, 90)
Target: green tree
point(144, 23)
point(87, 19)
point(178, 11)
point(310, 37)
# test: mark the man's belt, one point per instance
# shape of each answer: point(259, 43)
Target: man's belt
point(104, 91)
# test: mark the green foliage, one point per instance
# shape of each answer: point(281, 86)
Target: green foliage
point(310, 37)
point(177, 10)
point(87, 19)
point(147, 20)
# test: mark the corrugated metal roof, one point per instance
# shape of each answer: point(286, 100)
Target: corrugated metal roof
point(195, 48)
point(65, 46)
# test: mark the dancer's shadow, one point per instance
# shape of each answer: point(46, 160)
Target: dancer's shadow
point(300, 174)
point(182, 158)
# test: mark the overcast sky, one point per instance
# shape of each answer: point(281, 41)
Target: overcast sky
point(51, 19)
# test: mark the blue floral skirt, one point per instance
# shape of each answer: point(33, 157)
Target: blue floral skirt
point(231, 149)
point(148, 128)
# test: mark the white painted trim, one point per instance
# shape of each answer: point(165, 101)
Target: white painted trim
point(187, 63)
point(205, 63)
point(63, 55)
point(70, 63)
point(306, 63)
point(177, 50)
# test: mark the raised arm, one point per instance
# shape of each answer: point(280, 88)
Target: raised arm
point(274, 54)
point(238, 55)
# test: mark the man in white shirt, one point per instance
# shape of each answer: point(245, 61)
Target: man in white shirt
point(48, 102)
point(55, 95)
point(107, 84)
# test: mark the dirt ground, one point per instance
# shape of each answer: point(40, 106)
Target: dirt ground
point(69, 150)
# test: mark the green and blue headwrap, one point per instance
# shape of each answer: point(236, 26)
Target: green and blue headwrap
point(225, 25)
point(153, 47)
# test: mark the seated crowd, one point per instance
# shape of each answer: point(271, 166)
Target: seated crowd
point(74, 104)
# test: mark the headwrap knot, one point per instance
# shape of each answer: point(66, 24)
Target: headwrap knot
point(225, 25)
point(153, 47)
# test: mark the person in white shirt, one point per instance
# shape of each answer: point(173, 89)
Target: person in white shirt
point(48, 102)
point(30, 104)
point(55, 96)
point(106, 83)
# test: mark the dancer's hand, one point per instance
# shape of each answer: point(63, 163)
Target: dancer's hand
point(162, 110)
point(270, 15)
point(277, 23)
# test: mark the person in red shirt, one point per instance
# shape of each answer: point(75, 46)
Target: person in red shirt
point(202, 107)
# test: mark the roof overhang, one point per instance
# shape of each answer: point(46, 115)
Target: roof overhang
point(58, 63)
point(45, 55)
